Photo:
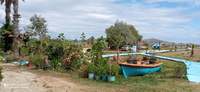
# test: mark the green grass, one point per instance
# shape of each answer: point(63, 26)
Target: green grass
point(161, 81)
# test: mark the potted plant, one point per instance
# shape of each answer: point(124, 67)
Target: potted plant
point(85, 72)
point(114, 71)
point(152, 60)
point(90, 69)
point(37, 60)
point(8, 58)
point(104, 72)
point(97, 72)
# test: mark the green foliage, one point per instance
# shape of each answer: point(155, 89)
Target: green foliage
point(97, 70)
point(119, 29)
point(114, 69)
point(23, 51)
point(193, 45)
point(76, 61)
point(61, 49)
point(36, 59)
point(103, 67)
point(117, 43)
point(145, 43)
point(5, 40)
point(61, 36)
point(54, 50)
point(179, 70)
point(97, 50)
point(90, 40)
point(83, 37)
point(55, 63)
point(38, 26)
point(9, 57)
point(90, 68)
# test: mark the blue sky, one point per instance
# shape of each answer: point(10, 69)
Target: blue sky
point(170, 20)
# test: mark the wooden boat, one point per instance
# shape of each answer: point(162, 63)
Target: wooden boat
point(139, 69)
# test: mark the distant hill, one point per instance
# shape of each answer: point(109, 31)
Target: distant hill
point(154, 41)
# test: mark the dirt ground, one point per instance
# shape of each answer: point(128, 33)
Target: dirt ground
point(26, 79)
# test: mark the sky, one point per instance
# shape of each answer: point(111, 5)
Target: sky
point(169, 20)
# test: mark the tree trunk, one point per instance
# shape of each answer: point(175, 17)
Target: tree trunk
point(16, 30)
point(7, 11)
point(117, 54)
point(137, 50)
point(159, 46)
point(192, 53)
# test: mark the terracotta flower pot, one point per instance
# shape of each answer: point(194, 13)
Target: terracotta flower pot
point(30, 64)
point(85, 75)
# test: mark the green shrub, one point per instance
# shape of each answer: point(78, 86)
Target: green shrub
point(114, 69)
point(8, 57)
point(36, 59)
point(23, 51)
point(55, 63)
point(179, 70)
point(89, 68)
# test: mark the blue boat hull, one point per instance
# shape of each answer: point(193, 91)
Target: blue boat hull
point(129, 70)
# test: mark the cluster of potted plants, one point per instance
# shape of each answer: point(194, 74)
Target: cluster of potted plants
point(144, 60)
point(100, 68)
point(104, 71)
point(37, 60)
point(40, 61)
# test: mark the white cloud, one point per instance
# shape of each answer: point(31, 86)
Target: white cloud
point(92, 17)
point(100, 16)
point(197, 2)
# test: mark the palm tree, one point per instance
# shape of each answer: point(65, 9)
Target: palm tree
point(16, 21)
point(7, 11)
point(16, 30)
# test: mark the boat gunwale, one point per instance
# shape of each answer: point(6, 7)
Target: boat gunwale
point(141, 66)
